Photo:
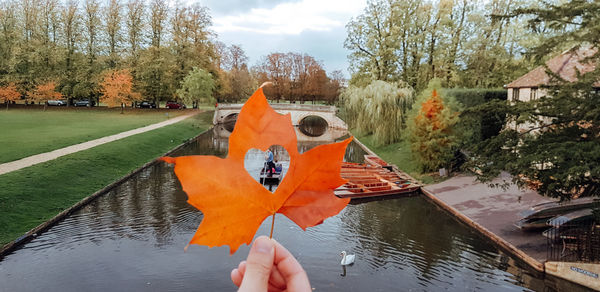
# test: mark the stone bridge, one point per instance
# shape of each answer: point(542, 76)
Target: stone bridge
point(225, 113)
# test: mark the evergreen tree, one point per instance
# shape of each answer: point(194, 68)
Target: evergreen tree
point(430, 131)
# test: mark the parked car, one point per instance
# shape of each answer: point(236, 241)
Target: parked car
point(56, 102)
point(84, 102)
point(147, 104)
point(175, 105)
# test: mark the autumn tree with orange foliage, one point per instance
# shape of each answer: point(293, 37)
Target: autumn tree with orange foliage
point(117, 89)
point(45, 92)
point(9, 93)
point(296, 77)
point(430, 132)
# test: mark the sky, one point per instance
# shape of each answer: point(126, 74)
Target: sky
point(261, 27)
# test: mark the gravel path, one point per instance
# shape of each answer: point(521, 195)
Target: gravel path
point(43, 157)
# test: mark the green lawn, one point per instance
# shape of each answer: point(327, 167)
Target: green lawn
point(31, 196)
point(399, 153)
point(33, 131)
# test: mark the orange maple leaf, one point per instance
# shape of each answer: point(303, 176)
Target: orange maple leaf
point(234, 204)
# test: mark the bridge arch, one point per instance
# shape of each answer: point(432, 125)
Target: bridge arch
point(313, 125)
point(225, 112)
point(230, 120)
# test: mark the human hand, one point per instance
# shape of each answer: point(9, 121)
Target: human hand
point(270, 267)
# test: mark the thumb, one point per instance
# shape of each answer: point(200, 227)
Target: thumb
point(259, 265)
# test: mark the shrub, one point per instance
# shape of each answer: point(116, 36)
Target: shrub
point(476, 127)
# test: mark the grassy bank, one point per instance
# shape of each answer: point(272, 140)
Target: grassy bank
point(27, 132)
point(399, 153)
point(35, 194)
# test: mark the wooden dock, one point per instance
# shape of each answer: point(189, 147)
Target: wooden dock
point(374, 178)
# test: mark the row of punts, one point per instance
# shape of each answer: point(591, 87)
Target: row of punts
point(374, 178)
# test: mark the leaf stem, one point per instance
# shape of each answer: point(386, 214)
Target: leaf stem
point(272, 225)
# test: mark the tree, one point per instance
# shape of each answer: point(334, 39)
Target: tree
point(379, 108)
point(372, 40)
point(113, 31)
point(44, 92)
point(9, 37)
point(197, 87)
point(430, 132)
point(295, 77)
point(71, 34)
point(9, 93)
point(275, 68)
point(49, 28)
point(560, 157)
point(234, 67)
point(117, 88)
point(92, 29)
point(457, 41)
point(135, 25)
point(154, 60)
point(189, 45)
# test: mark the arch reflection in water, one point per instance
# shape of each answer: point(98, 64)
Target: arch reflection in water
point(229, 122)
point(313, 126)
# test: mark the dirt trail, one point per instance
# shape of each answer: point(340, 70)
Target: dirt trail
point(43, 157)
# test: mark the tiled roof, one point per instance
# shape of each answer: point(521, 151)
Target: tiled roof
point(565, 65)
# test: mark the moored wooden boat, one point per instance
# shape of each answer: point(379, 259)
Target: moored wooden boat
point(374, 178)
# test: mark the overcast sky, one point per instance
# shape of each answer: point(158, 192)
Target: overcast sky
point(261, 27)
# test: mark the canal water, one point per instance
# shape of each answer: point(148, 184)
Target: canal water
point(133, 239)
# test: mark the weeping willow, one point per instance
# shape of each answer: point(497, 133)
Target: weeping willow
point(380, 109)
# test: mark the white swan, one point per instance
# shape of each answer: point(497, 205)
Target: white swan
point(347, 259)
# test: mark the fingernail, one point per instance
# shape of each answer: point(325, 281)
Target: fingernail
point(263, 245)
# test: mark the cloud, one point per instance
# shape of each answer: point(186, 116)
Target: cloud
point(227, 7)
point(314, 27)
point(290, 17)
point(327, 47)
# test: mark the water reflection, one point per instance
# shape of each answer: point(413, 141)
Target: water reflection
point(132, 239)
point(313, 126)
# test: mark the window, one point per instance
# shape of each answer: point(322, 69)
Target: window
point(533, 94)
point(515, 95)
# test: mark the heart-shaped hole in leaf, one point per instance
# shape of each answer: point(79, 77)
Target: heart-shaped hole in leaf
point(268, 168)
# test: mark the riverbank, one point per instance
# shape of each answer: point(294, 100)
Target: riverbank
point(494, 211)
point(33, 195)
point(31, 130)
point(47, 156)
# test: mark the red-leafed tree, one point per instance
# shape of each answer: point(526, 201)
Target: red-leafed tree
point(45, 92)
point(117, 89)
point(430, 133)
point(295, 77)
point(9, 93)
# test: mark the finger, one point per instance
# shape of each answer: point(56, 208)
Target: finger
point(236, 277)
point(276, 281)
point(242, 267)
point(238, 274)
point(259, 265)
point(290, 269)
point(274, 289)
